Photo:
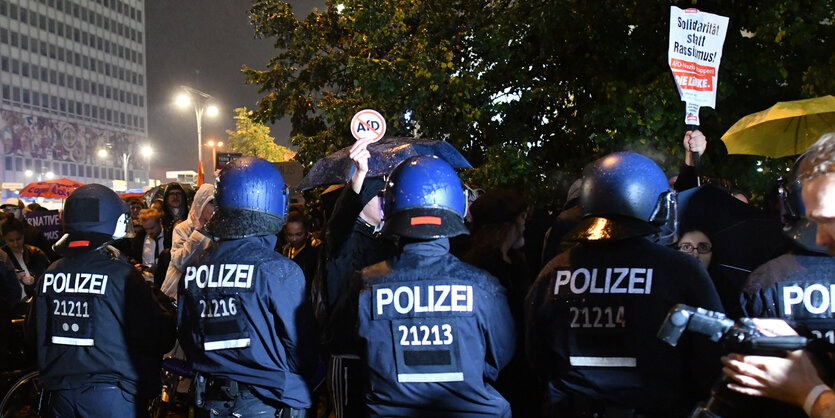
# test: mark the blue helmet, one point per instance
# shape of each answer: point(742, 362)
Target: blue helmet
point(93, 215)
point(796, 225)
point(424, 199)
point(250, 200)
point(623, 195)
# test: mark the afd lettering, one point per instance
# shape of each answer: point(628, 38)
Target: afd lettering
point(636, 281)
point(816, 298)
point(225, 275)
point(405, 300)
point(75, 283)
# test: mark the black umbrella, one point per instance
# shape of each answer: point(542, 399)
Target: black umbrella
point(743, 236)
point(385, 155)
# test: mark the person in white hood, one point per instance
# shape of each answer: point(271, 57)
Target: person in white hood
point(189, 239)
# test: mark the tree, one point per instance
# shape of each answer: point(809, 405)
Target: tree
point(532, 91)
point(251, 138)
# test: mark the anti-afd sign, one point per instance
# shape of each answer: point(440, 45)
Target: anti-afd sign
point(696, 40)
point(368, 125)
point(48, 222)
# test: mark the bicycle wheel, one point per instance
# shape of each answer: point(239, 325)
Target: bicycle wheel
point(23, 397)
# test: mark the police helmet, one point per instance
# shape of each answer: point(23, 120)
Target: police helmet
point(424, 199)
point(624, 195)
point(95, 214)
point(795, 224)
point(250, 200)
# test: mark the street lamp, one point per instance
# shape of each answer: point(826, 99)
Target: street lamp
point(198, 100)
point(214, 146)
point(125, 158)
point(147, 152)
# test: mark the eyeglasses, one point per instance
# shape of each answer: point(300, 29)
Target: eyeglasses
point(701, 248)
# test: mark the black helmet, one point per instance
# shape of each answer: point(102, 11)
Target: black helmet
point(95, 214)
point(623, 195)
point(424, 199)
point(795, 224)
point(250, 200)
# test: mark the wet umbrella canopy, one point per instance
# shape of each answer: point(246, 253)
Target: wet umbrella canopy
point(744, 236)
point(385, 155)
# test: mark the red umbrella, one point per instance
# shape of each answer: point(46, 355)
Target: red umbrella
point(52, 189)
point(132, 194)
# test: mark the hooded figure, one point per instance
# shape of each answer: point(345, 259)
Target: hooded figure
point(189, 239)
point(174, 209)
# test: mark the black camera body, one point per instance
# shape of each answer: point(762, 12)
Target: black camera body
point(736, 336)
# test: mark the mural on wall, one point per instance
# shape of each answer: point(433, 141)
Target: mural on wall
point(38, 137)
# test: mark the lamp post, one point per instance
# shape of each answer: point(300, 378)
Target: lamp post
point(198, 100)
point(147, 152)
point(214, 146)
point(125, 158)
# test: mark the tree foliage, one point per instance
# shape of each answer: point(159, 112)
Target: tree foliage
point(252, 138)
point(532, 91)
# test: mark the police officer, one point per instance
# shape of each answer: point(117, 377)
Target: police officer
point(795, 286)
point(99, 329)
point(593, 312)
point(434, 332)
point(244, 320)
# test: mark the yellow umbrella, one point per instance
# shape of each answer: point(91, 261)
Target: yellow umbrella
point(787, 128)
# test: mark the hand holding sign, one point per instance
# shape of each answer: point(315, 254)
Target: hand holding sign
point(695, 143)
point(367, 126)
point(359, 154)
point(695, 50)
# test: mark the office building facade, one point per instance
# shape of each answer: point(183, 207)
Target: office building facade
point(73, 83)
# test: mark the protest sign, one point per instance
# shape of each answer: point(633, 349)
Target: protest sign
point(368, 125)
point(696, 40)
point(48, 222)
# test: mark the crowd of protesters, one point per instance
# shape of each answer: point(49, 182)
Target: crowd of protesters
point(744, 250)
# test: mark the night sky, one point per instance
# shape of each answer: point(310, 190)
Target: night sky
point(201, 44)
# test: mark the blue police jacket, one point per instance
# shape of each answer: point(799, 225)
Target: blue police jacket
point(243, 316)
point(592, 318)
point(95, 320)
point(434, 333)
point(796, 288)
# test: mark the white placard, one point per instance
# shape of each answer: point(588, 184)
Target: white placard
point(696, 40)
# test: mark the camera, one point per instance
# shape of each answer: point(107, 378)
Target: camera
point(736, 336)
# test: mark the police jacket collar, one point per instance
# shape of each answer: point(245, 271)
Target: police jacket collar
point(430, 248)
point(264, 240)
